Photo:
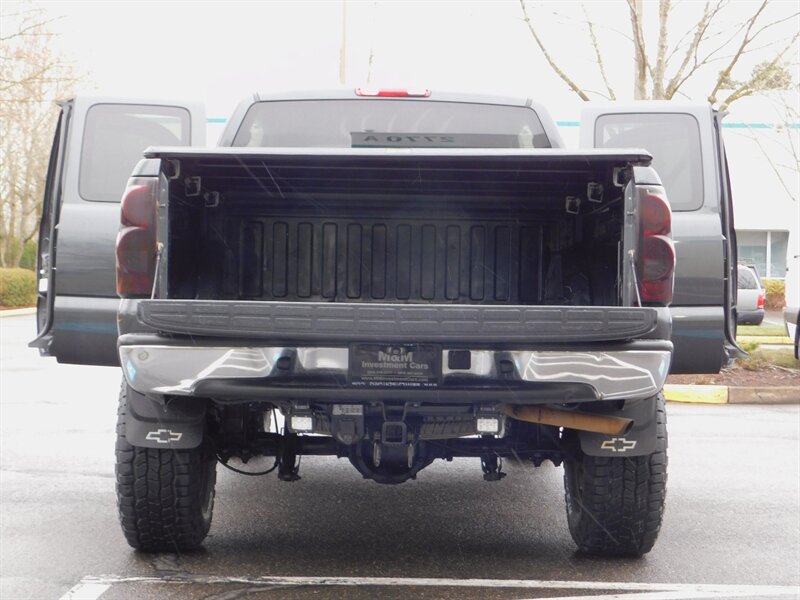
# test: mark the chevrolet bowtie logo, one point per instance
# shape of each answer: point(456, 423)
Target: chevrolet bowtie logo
point(164, 436)
point(618, 445)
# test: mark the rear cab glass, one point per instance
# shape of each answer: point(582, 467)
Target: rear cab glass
point(747, 279)
point(363, 123)
point(674, 141)
point(115, 135)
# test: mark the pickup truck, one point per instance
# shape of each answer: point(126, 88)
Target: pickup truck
point(391, 277)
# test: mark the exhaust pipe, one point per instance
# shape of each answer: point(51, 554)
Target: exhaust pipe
point(569, 419)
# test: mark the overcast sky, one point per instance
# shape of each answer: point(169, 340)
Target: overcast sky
point(219, 52)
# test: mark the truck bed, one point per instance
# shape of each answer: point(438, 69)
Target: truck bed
point(511, 227)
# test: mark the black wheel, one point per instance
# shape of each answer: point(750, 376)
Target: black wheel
point(615, 505)
point(165, 497)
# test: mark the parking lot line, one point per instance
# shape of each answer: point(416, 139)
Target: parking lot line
point(679, 595)
point(91, 588)
point(86, 590)
point(641, 596)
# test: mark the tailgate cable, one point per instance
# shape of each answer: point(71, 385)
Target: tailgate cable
point(159, 252)
point(635, 281)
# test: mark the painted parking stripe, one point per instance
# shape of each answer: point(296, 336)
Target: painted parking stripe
point(642, 596)
point(648, 591)
point(86, 590)
point(680, 595)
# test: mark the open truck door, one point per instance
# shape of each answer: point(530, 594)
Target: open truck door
point(689, 156)
point(97, 144)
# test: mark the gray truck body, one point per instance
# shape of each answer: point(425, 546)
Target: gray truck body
point(404, 278)
point(78, 315)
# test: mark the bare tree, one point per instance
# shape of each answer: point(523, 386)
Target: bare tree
point(710, 50)
point(781, 146)
point(32, 76)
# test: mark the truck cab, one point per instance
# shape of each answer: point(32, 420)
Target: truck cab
point(97, 143)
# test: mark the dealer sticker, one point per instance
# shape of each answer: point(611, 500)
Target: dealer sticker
point(395, 365)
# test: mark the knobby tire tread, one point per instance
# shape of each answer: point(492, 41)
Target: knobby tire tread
point(161, 494)
point(619, 510)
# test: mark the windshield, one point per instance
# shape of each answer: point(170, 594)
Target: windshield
point(364, 123)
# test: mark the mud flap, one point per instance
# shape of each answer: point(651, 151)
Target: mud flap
point(176, 424)
point(639, 441)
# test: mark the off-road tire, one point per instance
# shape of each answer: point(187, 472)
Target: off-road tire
point(165, 497)
point(615, 505)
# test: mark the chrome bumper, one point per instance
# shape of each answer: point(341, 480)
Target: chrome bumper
point(177, 370)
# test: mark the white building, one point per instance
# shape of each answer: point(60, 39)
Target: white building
point(762, 154)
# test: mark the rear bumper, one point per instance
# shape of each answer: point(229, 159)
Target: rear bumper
point(157, 365)
point(750, 317)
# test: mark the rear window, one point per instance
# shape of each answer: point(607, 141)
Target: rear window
point(672, 139)
point(747, 279)
point(364, 123)
point(114, 138)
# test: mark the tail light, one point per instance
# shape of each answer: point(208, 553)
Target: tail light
point(136, 240)
point(760, 300)
point(656, 215)
point(656, 264)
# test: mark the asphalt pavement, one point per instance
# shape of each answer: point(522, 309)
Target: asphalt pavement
point(731, 528)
